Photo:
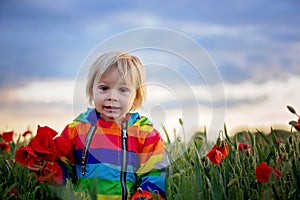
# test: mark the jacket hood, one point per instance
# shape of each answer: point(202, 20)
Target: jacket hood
point(91, 116)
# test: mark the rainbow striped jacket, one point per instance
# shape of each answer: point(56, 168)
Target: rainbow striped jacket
point(116, 162)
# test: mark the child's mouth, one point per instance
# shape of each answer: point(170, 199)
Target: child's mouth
point(111, 108)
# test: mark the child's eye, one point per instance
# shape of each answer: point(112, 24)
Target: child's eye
point(124, 89)
point(103, 87)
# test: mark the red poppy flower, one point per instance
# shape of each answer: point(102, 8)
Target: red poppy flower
point(45, 147)
point(215, 156)
point(245, 147)
point(144, 194)
point(4, 146)
point(51, 173)
point(298, 123)
point(43, 143)
point(7, 136)
point(223, 148)
point(263, 171)
point(26, 156)
point(280, 157)
point(27, 133)
point(13, 191)
point(63, 146)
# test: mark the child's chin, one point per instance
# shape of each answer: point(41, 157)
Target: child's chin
point(112, 117)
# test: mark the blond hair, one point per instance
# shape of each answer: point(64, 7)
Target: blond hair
point(129, 66)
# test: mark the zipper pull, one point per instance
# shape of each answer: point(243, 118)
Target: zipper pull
point(124, 125)
point(124, 129)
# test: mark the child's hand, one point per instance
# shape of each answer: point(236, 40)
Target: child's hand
point(38, 165)
point(46, 171)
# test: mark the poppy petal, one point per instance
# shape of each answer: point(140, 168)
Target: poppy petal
point(26, 156)
point(7, 136)
point(4, 146)
point(215, 156)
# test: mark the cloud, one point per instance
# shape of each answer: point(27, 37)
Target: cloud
point(254, 46)
point(43, 102)
point(39, 91)
point(268, 108)
point(248, 104)
point(52, 39)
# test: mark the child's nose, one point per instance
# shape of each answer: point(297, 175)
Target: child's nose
point(112, 95)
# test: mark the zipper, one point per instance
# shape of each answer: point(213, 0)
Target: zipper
point(124, 159)
point(86, 147)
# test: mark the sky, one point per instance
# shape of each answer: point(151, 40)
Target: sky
point(207, 62)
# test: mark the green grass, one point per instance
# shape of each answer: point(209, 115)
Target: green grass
point(194, 177)
point(191, 174)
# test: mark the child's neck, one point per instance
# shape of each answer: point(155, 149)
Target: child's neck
point(118, 121)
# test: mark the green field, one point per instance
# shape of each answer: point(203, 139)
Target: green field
point(193, 175)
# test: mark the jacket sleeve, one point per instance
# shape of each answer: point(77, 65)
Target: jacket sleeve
point(153, 164)
point(56, 172)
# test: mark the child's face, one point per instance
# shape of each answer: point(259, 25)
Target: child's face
point(113, 98)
